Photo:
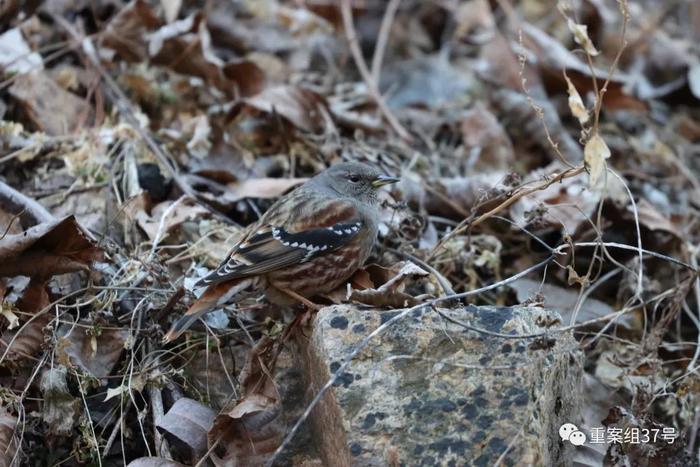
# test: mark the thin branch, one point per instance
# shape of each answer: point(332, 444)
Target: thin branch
point(14, 201)
point(539, 111)
point(640, 275)
point(520, 193)
point(623, 246)
point(383, 38)
point(624, 10)
point(373, 88)
point(161, 225)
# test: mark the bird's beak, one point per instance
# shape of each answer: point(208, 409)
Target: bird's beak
point(384, 180)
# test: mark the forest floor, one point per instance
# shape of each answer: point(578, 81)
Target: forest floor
point(139, 138)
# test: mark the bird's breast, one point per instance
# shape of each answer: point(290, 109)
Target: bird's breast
point(323, 273)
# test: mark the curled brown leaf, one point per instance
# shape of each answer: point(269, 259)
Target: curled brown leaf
point(392, 293)
point(189, 421)
point(48, 249)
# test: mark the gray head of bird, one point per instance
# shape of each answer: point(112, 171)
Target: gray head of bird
point(353, 180)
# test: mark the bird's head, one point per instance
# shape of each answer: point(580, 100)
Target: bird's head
point(355, 180)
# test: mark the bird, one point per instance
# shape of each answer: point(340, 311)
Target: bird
point(307, 243)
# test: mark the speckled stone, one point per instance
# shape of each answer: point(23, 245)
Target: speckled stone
point(428, 392)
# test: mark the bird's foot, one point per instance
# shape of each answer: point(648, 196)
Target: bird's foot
point(303, 300)
point(306, 317)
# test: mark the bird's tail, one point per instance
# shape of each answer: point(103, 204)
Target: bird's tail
point(215, 295)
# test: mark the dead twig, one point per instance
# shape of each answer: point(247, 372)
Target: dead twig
point(30, 211)
point(161, 226)
point(522, 192)
point(383, 38)
point(372, 86)
point(624, 10)
point(115, 430)
point(156, 398)
point(10, 223)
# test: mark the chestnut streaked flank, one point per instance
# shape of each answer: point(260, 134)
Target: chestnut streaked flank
point(308, 243)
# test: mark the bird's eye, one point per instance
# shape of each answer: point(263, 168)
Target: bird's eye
point(354, 178)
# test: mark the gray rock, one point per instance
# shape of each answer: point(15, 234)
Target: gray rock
point(429, 392)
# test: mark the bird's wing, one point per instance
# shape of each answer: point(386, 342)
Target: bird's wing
point(279, 240)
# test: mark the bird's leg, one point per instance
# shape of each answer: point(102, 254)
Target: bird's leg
point(305, 301)
point(311, 307)
point(294, 325)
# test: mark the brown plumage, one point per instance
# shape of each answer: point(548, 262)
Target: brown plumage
point(308, 243)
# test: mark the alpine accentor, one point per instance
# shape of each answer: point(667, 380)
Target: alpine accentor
point(308, 243)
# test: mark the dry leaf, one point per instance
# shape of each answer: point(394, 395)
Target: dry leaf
point(116, 392)
point(430, 81)
point(552, 57)
point(48, 106)
point(694, 79)
point(484, 137)
point(528, 125)
point(7, 307)
point(450, 194)
point(595, 153)
point(259, 393)
point(258, 366)
point(48, 249)
point(126, 31)
point(576, 105)
point(89, 206)
point(249, 440)
point(10, 221)
point(475, 22)
point(189, 421)
point(250, 430)
point(580, 32)
point(200, 144)
point(136, 30)
point(264, 188)
point(392, 292)
point(6, 311)
point(252, 403)
point(15, 54)
point(99, 361)
point(207, 373)
point(8, 439)
point(174, 216)
point(171, 8)
point(348, 105)
point(170, 31)
point(27, 341)
point(360, 280)
point(60, 407)
point(564, 301)
point(302, 21)
point(227, 195)
point(154, 462)
point(652, 219)
point(301, 107)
